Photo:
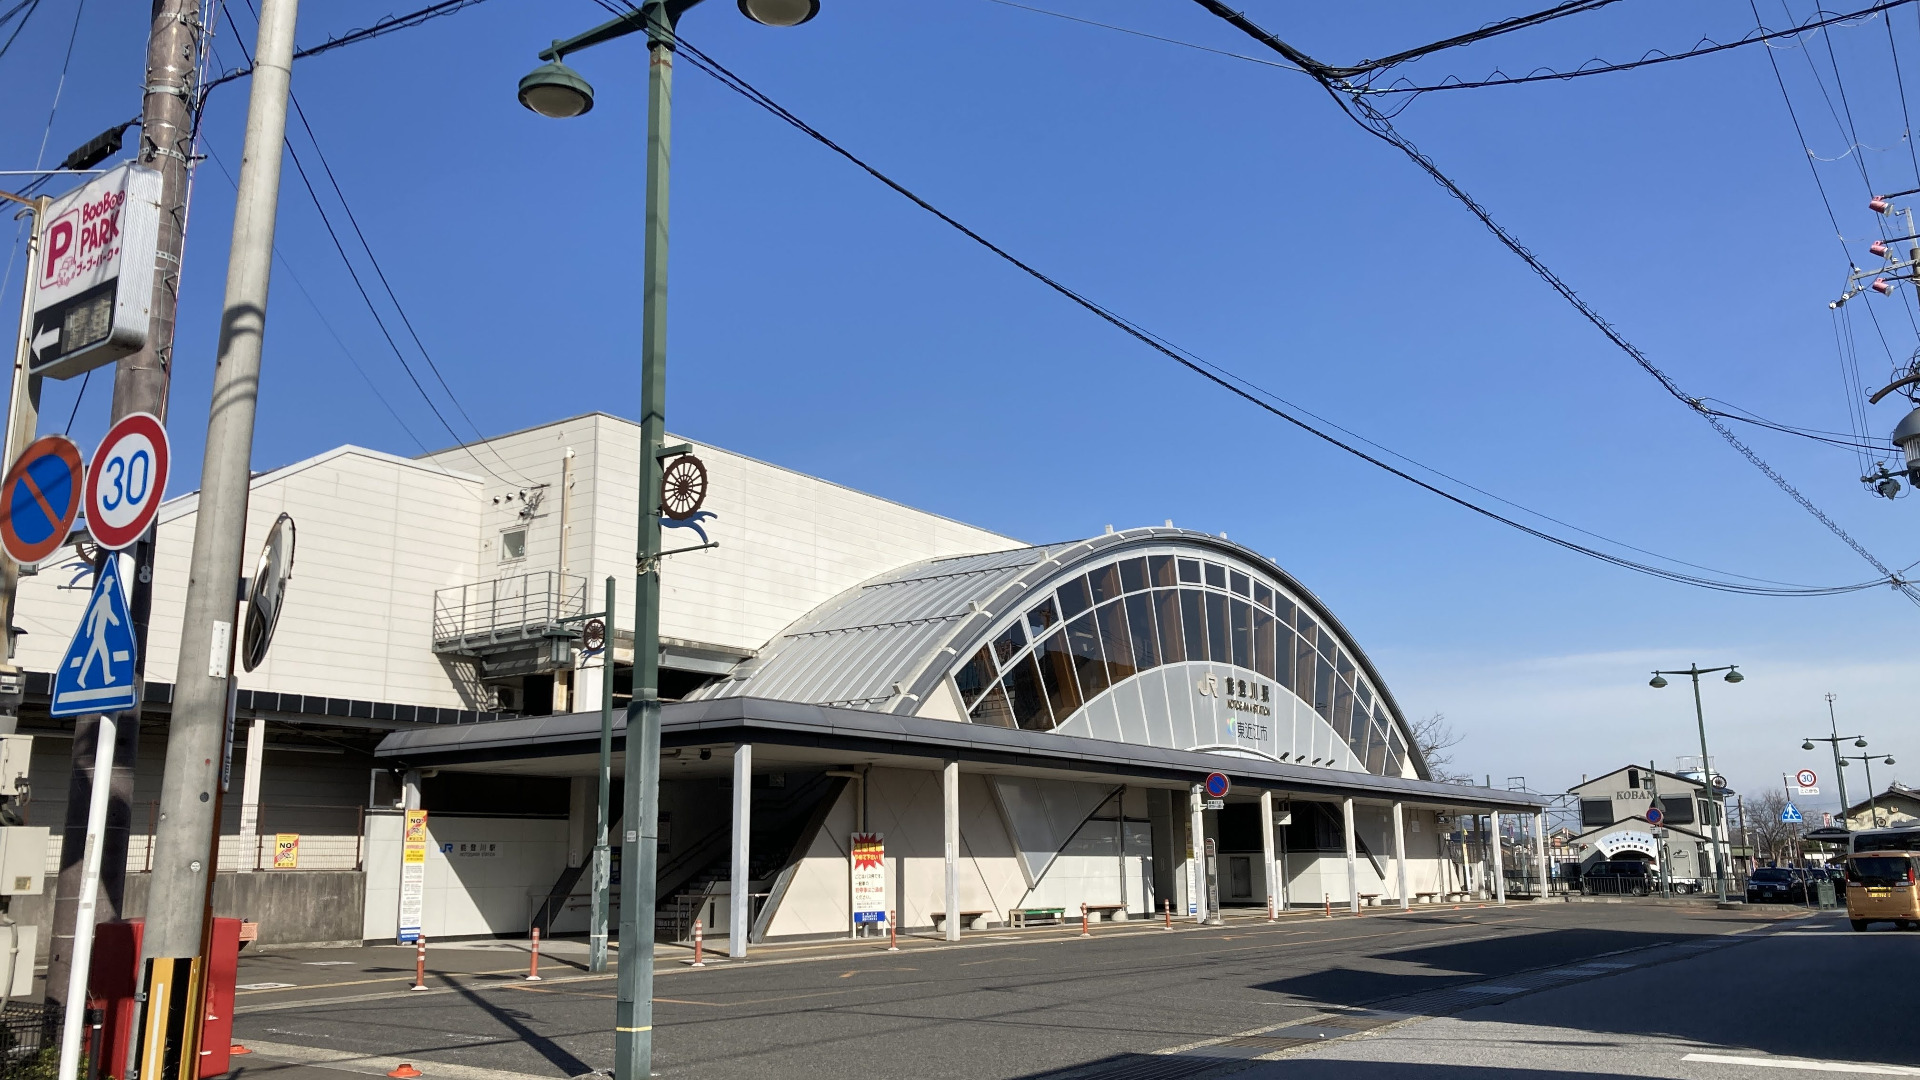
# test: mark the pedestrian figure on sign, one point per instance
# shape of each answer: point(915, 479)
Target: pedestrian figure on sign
point(98, 619)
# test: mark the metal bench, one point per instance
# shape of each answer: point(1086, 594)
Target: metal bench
point(1026, 916)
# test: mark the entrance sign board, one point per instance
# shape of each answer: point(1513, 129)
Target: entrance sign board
point(413, 874)
point(96, 674)
point(869, 854)
point(93, 289)
point(126, 481)
point(39, 499)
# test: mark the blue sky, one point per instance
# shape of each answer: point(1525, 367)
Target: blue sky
point(822, 322)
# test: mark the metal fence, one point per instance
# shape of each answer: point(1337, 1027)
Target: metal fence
point(506, 610)
point(29, 1041)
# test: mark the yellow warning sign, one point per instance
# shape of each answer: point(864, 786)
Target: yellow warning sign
point(286, 851)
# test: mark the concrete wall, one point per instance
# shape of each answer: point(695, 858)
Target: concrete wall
point(492, 891)
point(304, 907)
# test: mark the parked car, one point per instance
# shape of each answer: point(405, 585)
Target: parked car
point(1776, 883)
point(1626, 877)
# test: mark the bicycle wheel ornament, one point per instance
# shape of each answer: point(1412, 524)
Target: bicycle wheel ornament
point(683, 487)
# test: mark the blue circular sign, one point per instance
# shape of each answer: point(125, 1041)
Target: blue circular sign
point(1217, 785)
point(1654, 816)
point(39, 499)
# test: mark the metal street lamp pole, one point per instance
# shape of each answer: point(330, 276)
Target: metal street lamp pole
point(556, 90)
point(1873, 797)
point(1839, 772)
point(602, 854)
point(1716, 800)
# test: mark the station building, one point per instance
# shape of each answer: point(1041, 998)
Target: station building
point(1024, 725)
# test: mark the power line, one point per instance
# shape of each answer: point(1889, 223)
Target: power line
point(1233, 384)
point(383, 27)
point(353, 272)
point(1358, 109)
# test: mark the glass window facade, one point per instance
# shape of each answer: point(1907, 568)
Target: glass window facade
point(1130, 616)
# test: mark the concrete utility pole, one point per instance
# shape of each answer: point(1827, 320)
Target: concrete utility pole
point(140, 384)
point(184, 850)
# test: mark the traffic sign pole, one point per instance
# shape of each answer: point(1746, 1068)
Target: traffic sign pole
point(21, 419)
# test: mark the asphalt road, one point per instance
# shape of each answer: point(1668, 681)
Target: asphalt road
point(1561, 989)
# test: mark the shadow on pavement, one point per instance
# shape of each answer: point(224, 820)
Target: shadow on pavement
point(511, 1020)
point(1463, 962)
point(1303, 1067)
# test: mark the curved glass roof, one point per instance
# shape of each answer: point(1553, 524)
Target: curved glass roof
point(1040, 637)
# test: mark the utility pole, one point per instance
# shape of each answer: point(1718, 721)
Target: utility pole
point(1834, 740)
point(140, 384)
point(602, 854)
point(184, 849)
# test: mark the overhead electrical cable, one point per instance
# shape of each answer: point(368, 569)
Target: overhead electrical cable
point(1361, 111)
point(1232, 384)
point(354, 273)
point(30, 6)
point(385, 26)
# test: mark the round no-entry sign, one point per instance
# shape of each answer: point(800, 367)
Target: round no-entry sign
point(39, 499)
point(127, 480)
point(1217, 785)
point(1806, 778)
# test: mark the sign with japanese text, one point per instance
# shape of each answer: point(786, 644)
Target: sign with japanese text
point(869, 856)
point(286, 851)
point(413, 874)
point(93, 287)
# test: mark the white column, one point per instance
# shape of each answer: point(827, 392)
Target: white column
point(1497, 855)
point(950, 827)
point(1400, 852)
point(1353, 866)
point(250, 793)
point(410, 790)
point(740, 921)
point(1266, 849)
point(586, 685)
point(1197, 876)
point(1540, 853)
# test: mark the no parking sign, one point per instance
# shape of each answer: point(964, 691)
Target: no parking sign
point(39, 499)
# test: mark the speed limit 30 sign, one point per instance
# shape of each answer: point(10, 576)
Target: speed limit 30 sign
point(1805, 778)
point(127, 480)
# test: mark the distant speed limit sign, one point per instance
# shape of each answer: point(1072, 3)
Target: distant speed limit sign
point(1805, 778)
point(126, 481)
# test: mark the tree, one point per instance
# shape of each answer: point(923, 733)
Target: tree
point(1773, 840)
point(1435, 738)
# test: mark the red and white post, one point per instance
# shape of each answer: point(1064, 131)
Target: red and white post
point(699, 941)
point(1084, 930)
point(533, 961)
point(419, 963)
point(893, 933)
point(1166, 908)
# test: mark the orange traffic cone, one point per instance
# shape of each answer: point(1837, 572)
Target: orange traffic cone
point(236, 1048)
point(405, 1072)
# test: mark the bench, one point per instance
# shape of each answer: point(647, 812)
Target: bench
point(1369, 899)
point(969, 920)
point(1459, 895)
point(1025, 916)
point(1106, 912)
point(1426, 897)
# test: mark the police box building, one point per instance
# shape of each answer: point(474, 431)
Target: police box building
point(1005, 731)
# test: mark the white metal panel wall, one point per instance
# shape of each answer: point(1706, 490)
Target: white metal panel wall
point(788, 541)
point(465, 896)
point(377, 535)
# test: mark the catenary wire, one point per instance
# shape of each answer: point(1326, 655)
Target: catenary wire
point(354, 37)
point(733, 82)
point(1370, 120)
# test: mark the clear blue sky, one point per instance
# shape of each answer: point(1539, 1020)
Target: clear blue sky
point(822, 322)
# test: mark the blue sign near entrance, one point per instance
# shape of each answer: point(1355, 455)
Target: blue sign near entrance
point(1654, 815)
point(96, 675)
point(39, 499)
point(1217, 785)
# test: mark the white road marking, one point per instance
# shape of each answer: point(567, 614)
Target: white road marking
point(264, 986)
point(328, 963)
point(379, 1066)
point(1806, 1065)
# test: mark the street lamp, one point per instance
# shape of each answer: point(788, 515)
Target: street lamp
point(1719, 802)
point(1840, 776)
point(1873, 799)
point(556, 90)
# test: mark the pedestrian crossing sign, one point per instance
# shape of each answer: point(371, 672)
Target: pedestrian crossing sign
point(96, 675)
point(1791, 815)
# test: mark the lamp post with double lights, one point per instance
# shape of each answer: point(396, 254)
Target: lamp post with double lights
point(1719, 802)
point(1835, 739)
point(1873, 798)
point(556, 90)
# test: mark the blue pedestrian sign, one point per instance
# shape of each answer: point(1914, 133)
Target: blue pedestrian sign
point(96, 675)
point(1791, 815)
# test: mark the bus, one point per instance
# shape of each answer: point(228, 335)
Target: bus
point(1897, 838)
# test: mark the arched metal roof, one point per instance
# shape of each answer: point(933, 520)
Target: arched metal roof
point(886, 644)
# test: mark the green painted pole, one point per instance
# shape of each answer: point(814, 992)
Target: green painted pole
point(633, 1008)
point(1713, 792)
point(602, 855)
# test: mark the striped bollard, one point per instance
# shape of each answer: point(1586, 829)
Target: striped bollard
point(698, 940)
